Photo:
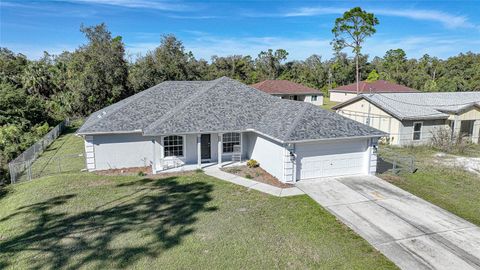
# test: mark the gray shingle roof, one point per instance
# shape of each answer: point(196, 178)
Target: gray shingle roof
point(412, 106)
point(218, 106)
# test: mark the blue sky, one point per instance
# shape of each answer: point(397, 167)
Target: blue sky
point(303, 28)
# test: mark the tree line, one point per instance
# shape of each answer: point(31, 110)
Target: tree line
point(37, 94)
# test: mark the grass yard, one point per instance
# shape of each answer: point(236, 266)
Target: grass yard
point(83, 220)
point(189, 221)
point(327, 104)
point(453, 189)
point(63, 155)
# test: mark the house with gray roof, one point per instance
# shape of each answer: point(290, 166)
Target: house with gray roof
point(412, 118)
point(192, 124)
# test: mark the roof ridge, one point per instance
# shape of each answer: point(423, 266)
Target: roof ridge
point(295, 122)
point(182, 105)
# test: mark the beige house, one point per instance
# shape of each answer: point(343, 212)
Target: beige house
point(346, 92)
point(412, 118)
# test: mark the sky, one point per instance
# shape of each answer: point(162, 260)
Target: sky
point(207, 28)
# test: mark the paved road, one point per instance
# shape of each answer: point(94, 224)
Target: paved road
point(413, 233)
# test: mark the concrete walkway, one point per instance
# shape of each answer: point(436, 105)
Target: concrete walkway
point(411, 232)
point(265, 188)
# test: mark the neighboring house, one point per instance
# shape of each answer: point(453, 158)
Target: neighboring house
point(412, 118)
point(290, 90)
point(178, 123)
point(346, 92)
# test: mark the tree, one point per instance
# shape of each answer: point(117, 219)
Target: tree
point(98, 70)
point(394, 66)
point(351, 30)
point(169, 61)
point(269, 63)
point(373, 76)
point(237, 67)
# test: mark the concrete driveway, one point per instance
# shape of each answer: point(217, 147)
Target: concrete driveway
point(411, 232)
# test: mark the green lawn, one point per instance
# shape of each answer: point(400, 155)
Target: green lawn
point(453, 189)
point(63, 155)
point(190, 221)
point(327, 104)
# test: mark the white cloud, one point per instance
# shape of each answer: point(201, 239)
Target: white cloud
point(159, 5)
point(446, 19)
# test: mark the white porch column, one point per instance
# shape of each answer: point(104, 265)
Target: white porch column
point(220, 148)
point(199, 151)
point(154, 158)
point(456, 127)
point(476, 131)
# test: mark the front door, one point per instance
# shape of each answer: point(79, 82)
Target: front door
point(205, 146)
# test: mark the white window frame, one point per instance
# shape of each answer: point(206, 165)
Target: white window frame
point(223, 142)
point(183, 147)
point(420, 131)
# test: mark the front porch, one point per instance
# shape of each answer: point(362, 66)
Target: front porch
point(186, 152)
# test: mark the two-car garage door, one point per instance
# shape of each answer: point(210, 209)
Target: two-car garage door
point(331, 159)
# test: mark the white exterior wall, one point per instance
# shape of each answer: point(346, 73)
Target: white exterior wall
point(116, 151)
point(267, 152)
point(428, 128)
point(318, 102)
point(341, 96)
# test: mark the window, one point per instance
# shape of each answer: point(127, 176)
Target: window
point(173, 146)
point(417, 131)
point(314, 98)
point(230, 140)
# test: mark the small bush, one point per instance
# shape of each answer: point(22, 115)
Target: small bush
point(442, 140)
point(248, 176)
point(141, 173)
point(252, 163)
point(199, 171)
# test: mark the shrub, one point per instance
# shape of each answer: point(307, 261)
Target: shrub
point(442, 140)
point(248, 176)
point(252, 163)
point(198, 170)
point(141, 173)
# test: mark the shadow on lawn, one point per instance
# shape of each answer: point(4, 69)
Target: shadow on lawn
point(157, 214)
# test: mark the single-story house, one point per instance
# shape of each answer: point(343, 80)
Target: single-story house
point(197, 123)
point(412, 118)
point(346, 92)
point(290, 90)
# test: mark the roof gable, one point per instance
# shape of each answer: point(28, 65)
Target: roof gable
point(412, 106)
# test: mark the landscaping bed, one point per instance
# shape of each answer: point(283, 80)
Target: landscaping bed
point(257, 174)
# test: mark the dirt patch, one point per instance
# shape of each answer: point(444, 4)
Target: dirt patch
point(257, 174)
point(470, 164)
point(390, 177)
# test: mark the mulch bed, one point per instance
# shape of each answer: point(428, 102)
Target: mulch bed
point(257, 174)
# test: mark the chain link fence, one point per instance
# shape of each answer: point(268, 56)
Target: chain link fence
point(394, 162)
point(24, 166)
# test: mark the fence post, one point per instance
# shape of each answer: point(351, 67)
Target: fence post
point(12, 171)
point(29, 170)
